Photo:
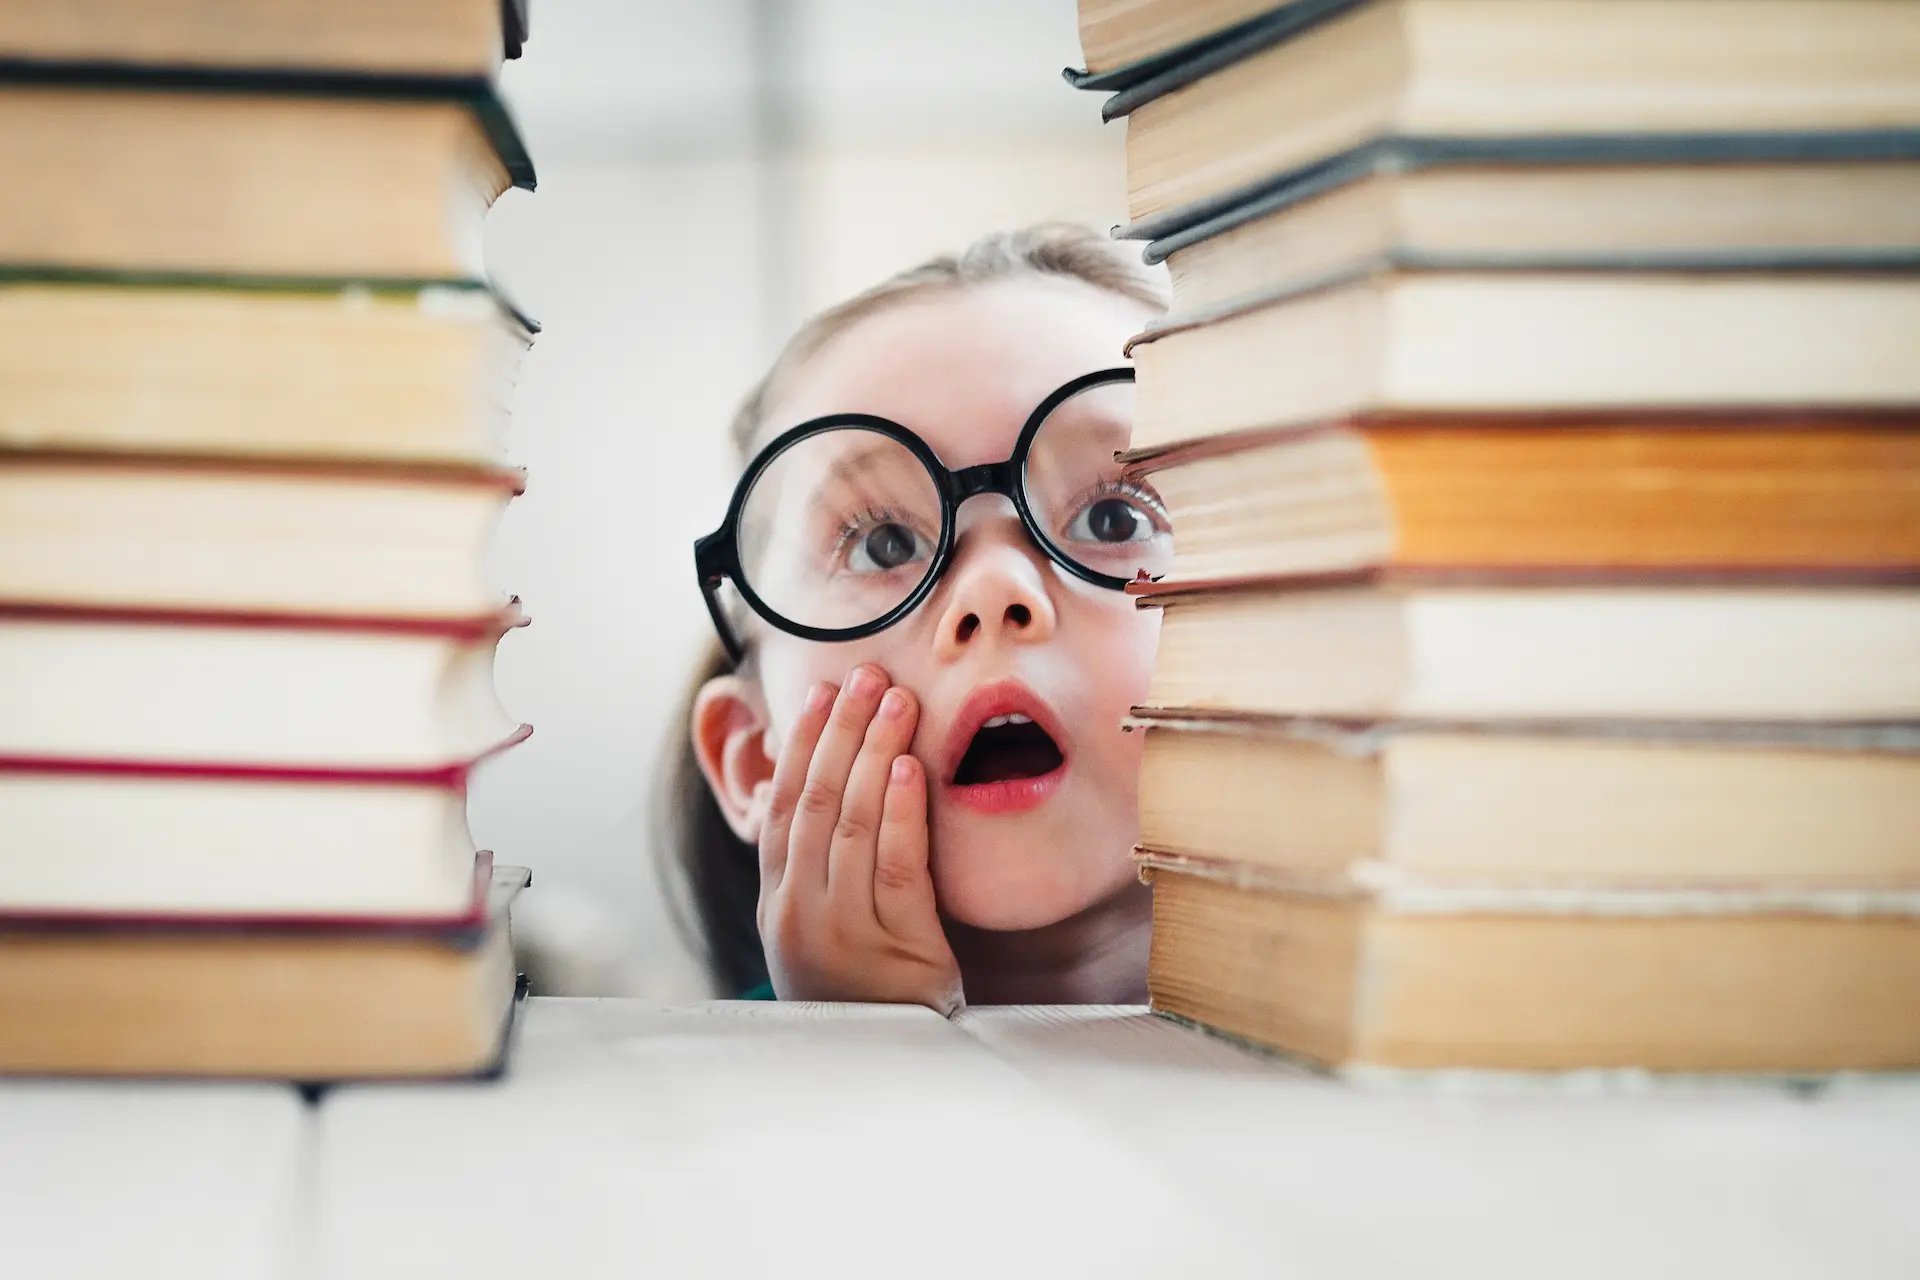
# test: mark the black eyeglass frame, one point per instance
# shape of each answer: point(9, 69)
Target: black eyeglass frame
point(716, 557)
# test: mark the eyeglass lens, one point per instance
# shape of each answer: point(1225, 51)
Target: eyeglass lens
point(842, 526)
point(839, 528)
point(1087, 506)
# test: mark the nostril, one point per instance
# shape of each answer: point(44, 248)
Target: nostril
point(1019, 615)
point(969, 625)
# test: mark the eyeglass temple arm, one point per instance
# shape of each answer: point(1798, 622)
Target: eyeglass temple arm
point(709, 561)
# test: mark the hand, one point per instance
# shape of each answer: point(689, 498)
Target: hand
point(846, 899)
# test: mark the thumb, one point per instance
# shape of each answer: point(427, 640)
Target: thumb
point(902, 884)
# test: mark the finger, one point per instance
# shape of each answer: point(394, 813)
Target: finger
point(789, 776)
point(818, 808)
point(902, 882)
point(851, 857)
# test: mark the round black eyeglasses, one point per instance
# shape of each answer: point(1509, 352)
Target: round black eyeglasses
point(843, 525)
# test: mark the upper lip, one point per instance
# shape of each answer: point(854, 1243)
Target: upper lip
point(1001, 698)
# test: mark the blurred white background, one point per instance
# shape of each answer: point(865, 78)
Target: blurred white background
point(711, 171)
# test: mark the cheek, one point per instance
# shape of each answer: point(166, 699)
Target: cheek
point(1124, 641)
point(789, 666)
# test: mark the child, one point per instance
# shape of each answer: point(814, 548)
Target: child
point(912, 785)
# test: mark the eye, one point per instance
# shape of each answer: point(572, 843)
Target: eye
point(881, 545)
point(1115, 513)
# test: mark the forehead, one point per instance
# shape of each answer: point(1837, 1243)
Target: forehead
point(963, 367)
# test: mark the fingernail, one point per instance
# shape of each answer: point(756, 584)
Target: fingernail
point(894, 705)
point(819, 697)
point(865, 683)
point(902, 773)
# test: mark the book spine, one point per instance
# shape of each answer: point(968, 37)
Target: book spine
point(448, 777)
point(460, 930)
point(472, 629)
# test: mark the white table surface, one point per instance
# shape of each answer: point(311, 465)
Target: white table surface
point(141, 1180)
point(639, 1139)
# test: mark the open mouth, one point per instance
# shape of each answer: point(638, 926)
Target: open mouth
point(1008, 748)
point(1014, 756)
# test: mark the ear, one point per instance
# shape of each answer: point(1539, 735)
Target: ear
point(730, 742)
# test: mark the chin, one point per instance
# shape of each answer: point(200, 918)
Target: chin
point(998, 883)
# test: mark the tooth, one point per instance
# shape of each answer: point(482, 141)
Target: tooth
point(997, 721)
point(1017, 718)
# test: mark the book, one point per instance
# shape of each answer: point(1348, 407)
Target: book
point(1174, 43)
point(1648, 496)
point(242, 536)
point(144, 839)
point(1536, 684)
point(1121, 33)
point(1853, 205)
point(250, 175)
point(219, 692)
point(1320, 804)
point(1415, 341)
point(443, 37)
point(226, 366)
point(1673, 69)
point(1538, 653)
point(1674, 982)
point(223, 997)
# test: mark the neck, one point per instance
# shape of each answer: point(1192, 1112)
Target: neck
point(1098, 956)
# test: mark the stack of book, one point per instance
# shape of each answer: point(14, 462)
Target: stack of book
point(251, 389)
point(1539, 421)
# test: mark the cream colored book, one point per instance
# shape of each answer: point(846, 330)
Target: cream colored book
point(249, 181)
point(1388, 650)
point(443, 37)
point(1396, 207)
point(311, 1001)
point(1504, 69)
point(1403, 341)
point(1317, 803)
point(1677, 982)
point(116, 531)
point(1115, 33)
point(246, 691)
point(220, 368)
point(112, 838)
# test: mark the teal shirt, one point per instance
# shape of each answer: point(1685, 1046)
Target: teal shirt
point(762, 992)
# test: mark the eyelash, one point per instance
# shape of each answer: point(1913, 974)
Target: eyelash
point(1119, 489)
point(861, 523)
point(872, 516)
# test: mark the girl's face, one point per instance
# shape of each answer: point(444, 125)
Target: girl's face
point(1005, 630)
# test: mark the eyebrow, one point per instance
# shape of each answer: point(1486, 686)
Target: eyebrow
point(862, 476)
point(1087, 430)
point(1089, 422)
point(861, 462)
point(1094, 424)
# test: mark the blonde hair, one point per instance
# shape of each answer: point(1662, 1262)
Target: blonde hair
point(714, 877)
point(1063, 250)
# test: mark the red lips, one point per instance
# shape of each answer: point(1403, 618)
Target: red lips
point(1001, 698)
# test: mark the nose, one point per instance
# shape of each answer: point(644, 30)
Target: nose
point(996, 592)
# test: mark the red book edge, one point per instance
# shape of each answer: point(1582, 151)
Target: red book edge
point(463, 929)
point(478, 475)
point(445, 777)
point(473, 627)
